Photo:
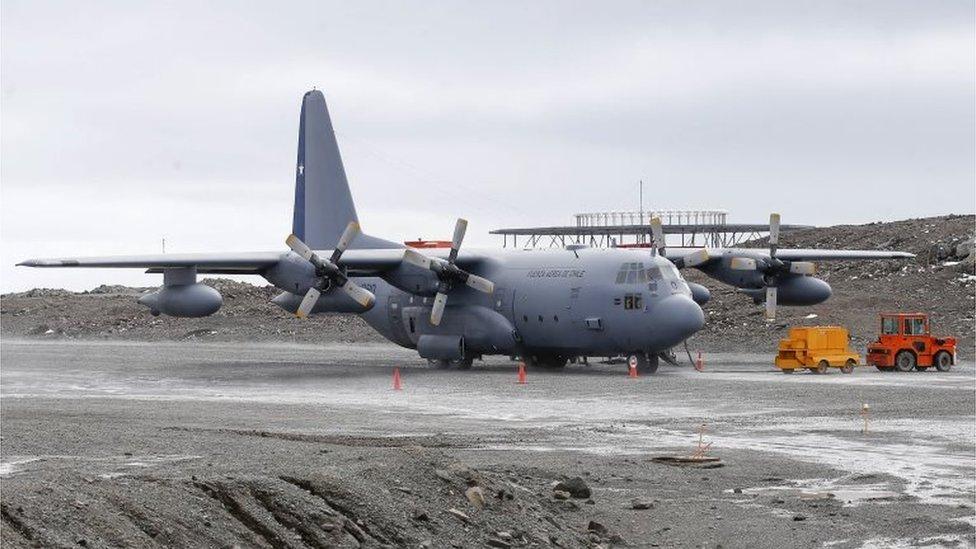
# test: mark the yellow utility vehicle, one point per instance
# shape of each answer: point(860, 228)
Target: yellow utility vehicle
point(817, 348)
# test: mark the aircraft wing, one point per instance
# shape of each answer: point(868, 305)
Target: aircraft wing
point(244, 263)
point(358, 262)
point(792, 254)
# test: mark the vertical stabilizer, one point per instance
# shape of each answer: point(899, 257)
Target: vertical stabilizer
point(323, 203)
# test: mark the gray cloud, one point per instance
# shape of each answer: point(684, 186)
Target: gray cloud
point(123, 122)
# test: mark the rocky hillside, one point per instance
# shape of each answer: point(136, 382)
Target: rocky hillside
point(940, 281)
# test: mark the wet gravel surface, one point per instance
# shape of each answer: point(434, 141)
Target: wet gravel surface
point(271, 445)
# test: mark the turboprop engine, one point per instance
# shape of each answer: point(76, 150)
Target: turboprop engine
point(182, 296)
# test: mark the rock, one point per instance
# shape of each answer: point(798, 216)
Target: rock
point(965, 248)
point(798, 518)
point(493, 542)
point(443, 475)
point(737, 490)
point(504, 495)
point(595, 526)
point(641, 504)
point(421, 515)
point(576, 487)
point(476, 496)
point(561, 494)
point(507, 536)
point(459, 514)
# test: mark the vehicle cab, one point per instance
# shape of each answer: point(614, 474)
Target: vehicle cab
point(905, 343)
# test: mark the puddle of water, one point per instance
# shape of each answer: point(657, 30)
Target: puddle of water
point(16, 464)
point(815, 489)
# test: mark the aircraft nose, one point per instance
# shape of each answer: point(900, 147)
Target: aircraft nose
point(676, 318)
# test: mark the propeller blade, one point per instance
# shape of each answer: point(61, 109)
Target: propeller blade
point(437, 311)
point(773, 234)
point(459, 229)
point(802, 267)
point(308, 303)
point(743, 264)
point(299, 247)
point(416, 258)
point(657, 232)
point(697, 258)
point(770, 302)
point(348, 235)
point(361, 295)
point(480, 284)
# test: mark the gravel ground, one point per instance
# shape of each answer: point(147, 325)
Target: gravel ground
point(115, 444)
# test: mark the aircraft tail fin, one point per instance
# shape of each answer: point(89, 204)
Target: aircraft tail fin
point(323, 202)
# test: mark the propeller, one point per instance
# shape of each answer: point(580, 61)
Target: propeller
point(448, 274)
point(691, 260)
point(327, 272)
point(773, 268)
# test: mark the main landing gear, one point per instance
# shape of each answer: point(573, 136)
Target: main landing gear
point(444, 364)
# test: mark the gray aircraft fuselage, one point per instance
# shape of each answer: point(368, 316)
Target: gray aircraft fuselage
point(589, 302)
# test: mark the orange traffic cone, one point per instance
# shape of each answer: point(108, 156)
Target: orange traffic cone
point(633, 367)
point(699, 364)
point(521, 373)
point(396, 379)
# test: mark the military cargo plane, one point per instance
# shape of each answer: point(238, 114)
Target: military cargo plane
point(454, 305)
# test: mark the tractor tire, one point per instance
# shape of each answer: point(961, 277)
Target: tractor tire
point(822, 367)
point(885, 368)
point(848, 366)
point(905, 361)
point(942, 361)
point(439, 363)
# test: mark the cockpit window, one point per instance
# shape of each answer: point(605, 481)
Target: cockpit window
point(632, 273)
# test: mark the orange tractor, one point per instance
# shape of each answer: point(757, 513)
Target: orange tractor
point(906, 344)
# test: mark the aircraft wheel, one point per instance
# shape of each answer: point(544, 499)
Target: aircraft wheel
point(462, 363)
point(848, 366)
point(439, 363)
point(942, 361)
point(822, 367)
point(905, 361)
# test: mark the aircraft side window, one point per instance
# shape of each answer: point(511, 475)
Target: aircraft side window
point(633, 302)
point(653, 272)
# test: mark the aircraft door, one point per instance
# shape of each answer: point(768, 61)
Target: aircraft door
point(396, 316)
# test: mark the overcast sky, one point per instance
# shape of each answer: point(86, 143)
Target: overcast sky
point(123, 123)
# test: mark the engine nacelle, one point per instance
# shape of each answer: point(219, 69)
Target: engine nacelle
point(329, 302)
point(699, 293)
point(795, 290)
point(185, 300)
